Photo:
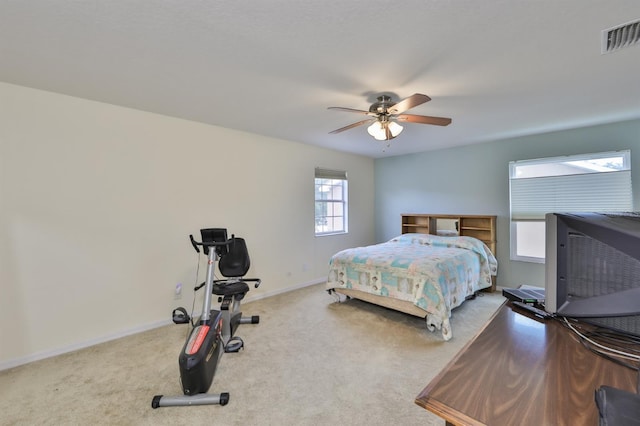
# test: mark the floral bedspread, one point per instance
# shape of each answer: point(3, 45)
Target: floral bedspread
point(435, 273)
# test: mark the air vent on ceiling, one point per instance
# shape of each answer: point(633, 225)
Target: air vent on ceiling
point(625, 35)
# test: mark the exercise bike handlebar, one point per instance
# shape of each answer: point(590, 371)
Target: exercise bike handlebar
point(195, 243)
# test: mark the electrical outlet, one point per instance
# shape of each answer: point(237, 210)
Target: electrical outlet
point(178, 291)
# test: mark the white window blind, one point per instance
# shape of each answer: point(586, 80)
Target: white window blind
point(330, 174)
point(532, 198)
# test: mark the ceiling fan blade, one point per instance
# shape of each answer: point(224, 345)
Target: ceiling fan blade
point(408, 103)
point(358, 111)
point(351, 126)
point(424, 119)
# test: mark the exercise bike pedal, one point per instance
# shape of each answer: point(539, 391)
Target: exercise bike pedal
point(180, 316)
point(234, 345)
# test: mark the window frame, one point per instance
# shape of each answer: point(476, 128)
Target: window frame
point(532, 216)
point(332, 176)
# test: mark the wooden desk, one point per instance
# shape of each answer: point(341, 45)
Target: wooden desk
point(522, 371)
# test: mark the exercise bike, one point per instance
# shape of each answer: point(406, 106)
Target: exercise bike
point(214, 333)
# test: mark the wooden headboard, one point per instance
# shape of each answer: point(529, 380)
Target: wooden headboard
point(477, 226)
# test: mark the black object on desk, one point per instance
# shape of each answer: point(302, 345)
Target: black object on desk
point(617, 407)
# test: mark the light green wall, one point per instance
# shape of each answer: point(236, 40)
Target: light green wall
point(98, 202)
point(474, 179)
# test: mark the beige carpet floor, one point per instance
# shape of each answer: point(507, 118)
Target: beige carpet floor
point(310, 361)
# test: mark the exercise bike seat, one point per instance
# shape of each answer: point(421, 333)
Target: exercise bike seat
point(228, 288)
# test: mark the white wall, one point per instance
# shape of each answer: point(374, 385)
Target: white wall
point(97, 202)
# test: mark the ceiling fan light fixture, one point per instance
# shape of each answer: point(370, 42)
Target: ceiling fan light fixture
point(379, 130)
point(395, 128)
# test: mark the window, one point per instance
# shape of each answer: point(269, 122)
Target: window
point(590, 182)
point(331, 201)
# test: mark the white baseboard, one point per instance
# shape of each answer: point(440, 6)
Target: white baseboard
point(81, 345)
point(5, 365)
point(284, 290)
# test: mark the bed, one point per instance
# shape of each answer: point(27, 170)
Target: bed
point(421, 274)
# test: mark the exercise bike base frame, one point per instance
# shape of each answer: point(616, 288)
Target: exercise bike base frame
point(211, 336)
point(186, 401)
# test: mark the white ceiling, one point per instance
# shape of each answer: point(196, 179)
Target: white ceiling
point(499, 68)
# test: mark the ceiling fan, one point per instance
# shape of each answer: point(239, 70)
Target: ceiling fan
point(386, 113)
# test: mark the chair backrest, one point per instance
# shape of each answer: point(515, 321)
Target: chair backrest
point(236, 262)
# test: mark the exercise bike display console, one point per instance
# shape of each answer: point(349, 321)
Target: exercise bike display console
point(214, 332)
